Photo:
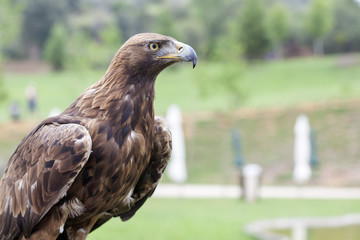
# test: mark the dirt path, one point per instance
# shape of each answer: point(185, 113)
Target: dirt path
point(28, 66)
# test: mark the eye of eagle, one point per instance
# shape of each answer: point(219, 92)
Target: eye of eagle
point(154, 46)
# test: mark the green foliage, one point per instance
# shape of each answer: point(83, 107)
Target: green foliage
point(319, 19)
point(318, 23)
point(86, 56)
point(10, 16)
point(166, 23)
point(253, 30)
point(55, 48)
point(215, 78)
point(78, 45)
point(345, 34)
point(132, 17)
point(227, 46)
point(278, 25)
point(213, 17)
point(38, 20)
point(110, 37)
point(95, 53)
point(204, 24)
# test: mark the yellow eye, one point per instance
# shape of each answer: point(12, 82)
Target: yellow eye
point(154, 46)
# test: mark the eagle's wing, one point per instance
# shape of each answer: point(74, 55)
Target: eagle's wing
point(39, 174)
point(149, 180)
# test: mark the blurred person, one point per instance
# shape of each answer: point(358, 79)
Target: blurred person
point(14, 111)
point(31, 96)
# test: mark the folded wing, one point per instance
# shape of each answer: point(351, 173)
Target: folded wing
point(39, 173)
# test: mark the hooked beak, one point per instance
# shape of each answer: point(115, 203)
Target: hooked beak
point(184, 53)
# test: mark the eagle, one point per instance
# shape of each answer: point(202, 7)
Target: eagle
point(100, 158)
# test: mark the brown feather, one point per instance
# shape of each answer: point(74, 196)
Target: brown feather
point(38, 177)
point(101, 158)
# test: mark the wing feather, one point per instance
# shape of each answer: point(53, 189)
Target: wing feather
point(39, 174)
point(150, 178)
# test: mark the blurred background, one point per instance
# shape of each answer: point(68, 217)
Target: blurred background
point(261, 64)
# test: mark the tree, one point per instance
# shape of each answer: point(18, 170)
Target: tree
point(55, 47)
point(38, 20)
point(278, 27)
point(9, 29)
point(96, 52)
point(10, 15)
point(214, 16)
point(165, 23)
point(132, 17)
point(345, 34)
point(318, 23)
point(233, 50)
point(252, 27)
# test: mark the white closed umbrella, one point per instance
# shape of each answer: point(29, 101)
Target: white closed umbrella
point(176, 169)
point(302, 150)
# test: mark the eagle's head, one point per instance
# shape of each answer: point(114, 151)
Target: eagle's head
point(147, 54)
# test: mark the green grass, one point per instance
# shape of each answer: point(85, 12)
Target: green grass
point(280, 83)
point(289, 82)
point(54, 90)
point(186, 219)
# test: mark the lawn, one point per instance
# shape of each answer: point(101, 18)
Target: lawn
point(278, 83)
point(209, 219)
point(297, 81)
point(54, 90)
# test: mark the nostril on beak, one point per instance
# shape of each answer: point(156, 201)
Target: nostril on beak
point(180, 49)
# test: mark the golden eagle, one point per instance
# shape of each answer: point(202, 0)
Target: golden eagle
point(101, 158)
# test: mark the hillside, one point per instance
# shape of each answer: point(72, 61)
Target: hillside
point(267, 138)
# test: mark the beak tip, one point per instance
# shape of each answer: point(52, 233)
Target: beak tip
point(194, 58)
point(188, 55)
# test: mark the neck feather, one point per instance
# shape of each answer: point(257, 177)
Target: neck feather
point(116, 96)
